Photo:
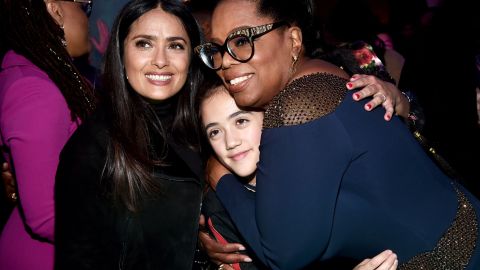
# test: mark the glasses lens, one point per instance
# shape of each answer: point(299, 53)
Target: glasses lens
point(211, 55)
point(240, 47)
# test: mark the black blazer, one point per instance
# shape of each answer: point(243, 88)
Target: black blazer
point(92, 232)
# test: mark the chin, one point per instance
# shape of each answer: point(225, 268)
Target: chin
point(245, 173)
point(244, 100)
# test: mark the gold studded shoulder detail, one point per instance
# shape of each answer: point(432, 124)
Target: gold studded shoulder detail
point(305, 99)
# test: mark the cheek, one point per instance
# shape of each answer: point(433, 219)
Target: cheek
point(132, 61)
point(218, 149)
point(182, 63)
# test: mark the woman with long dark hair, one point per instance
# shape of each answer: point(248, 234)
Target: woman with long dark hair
point(43, 98)
point(129, 182)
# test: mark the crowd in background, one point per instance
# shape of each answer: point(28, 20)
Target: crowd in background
point(431, 51)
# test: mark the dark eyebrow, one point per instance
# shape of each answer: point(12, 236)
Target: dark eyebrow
point(237, 113)
point(176, 38)
point(150, 37)
point(233, 115)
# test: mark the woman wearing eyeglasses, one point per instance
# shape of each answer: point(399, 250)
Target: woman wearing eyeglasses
point(43, 98)
point(332, 181)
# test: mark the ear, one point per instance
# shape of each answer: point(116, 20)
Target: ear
point(297, 40)
point(55, 10)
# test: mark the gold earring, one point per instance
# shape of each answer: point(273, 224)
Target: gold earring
point(293, 67)
point(295, 59)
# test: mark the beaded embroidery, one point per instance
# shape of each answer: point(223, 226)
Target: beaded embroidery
point(313, 96)
point(305, 99)
point(455, 248)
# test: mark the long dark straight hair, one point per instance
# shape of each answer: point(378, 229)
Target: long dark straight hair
point(29, 30)
point(130, 160)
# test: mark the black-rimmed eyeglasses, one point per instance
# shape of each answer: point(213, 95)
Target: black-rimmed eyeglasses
point(238, 45)
point(86, 5)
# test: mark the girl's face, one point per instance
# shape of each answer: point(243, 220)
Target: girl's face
point(157, 55)
point(233, 133)
point(256, 82)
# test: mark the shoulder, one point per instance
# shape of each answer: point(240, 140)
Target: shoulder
point(25, 83)
point(319, 66)
point(90, 139)
point(306, 98)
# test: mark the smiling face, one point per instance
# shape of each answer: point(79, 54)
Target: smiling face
point(256, 82)
point(234, 134)
point(157, 55)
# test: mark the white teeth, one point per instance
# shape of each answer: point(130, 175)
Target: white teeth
point(158, 77)
point(240, 79)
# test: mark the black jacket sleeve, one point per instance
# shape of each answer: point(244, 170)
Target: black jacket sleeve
point(83, 213)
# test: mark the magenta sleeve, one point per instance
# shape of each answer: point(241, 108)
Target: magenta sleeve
point(36, 124)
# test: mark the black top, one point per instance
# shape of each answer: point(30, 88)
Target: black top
point(92, 232)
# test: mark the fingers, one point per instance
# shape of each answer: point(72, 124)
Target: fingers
point(387, 260)
point(382, 93)
point(223, 266)
point(9, 183)
point(201, 223)
point(222, 253)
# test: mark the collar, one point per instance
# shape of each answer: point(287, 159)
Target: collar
point(12, 59)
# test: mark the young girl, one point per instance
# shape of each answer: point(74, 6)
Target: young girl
point(234, 136)
point(332, 180)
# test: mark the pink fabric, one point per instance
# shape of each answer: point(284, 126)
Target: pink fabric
point(34, 126)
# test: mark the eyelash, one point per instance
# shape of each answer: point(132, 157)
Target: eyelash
point(238, 122)
point(176, 46)
point(242, 121)
point(210, 133)
point(143, 44)
point(147, 44)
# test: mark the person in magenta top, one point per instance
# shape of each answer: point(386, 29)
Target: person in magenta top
point(42, 100)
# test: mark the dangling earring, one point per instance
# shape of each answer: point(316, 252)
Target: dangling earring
point(62, 39)
point(293, 67)
point(295, 59)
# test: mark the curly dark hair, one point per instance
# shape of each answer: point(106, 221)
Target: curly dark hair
point(29, 30)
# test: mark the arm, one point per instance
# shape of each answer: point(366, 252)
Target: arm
point(84, 227)
point(288, 224)
point(35, 126)
point(219, 253)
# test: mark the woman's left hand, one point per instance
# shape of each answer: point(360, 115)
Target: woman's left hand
point(383, 93)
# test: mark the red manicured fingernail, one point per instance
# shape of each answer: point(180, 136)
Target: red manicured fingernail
point(369, 106)
point(356, 96)
point(349, 85)
point(388, 117)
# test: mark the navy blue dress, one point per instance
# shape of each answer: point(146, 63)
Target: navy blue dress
point(335, 181)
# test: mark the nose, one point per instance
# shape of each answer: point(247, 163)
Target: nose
point(231, 140)
point(159, 58)
point(227, 60)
